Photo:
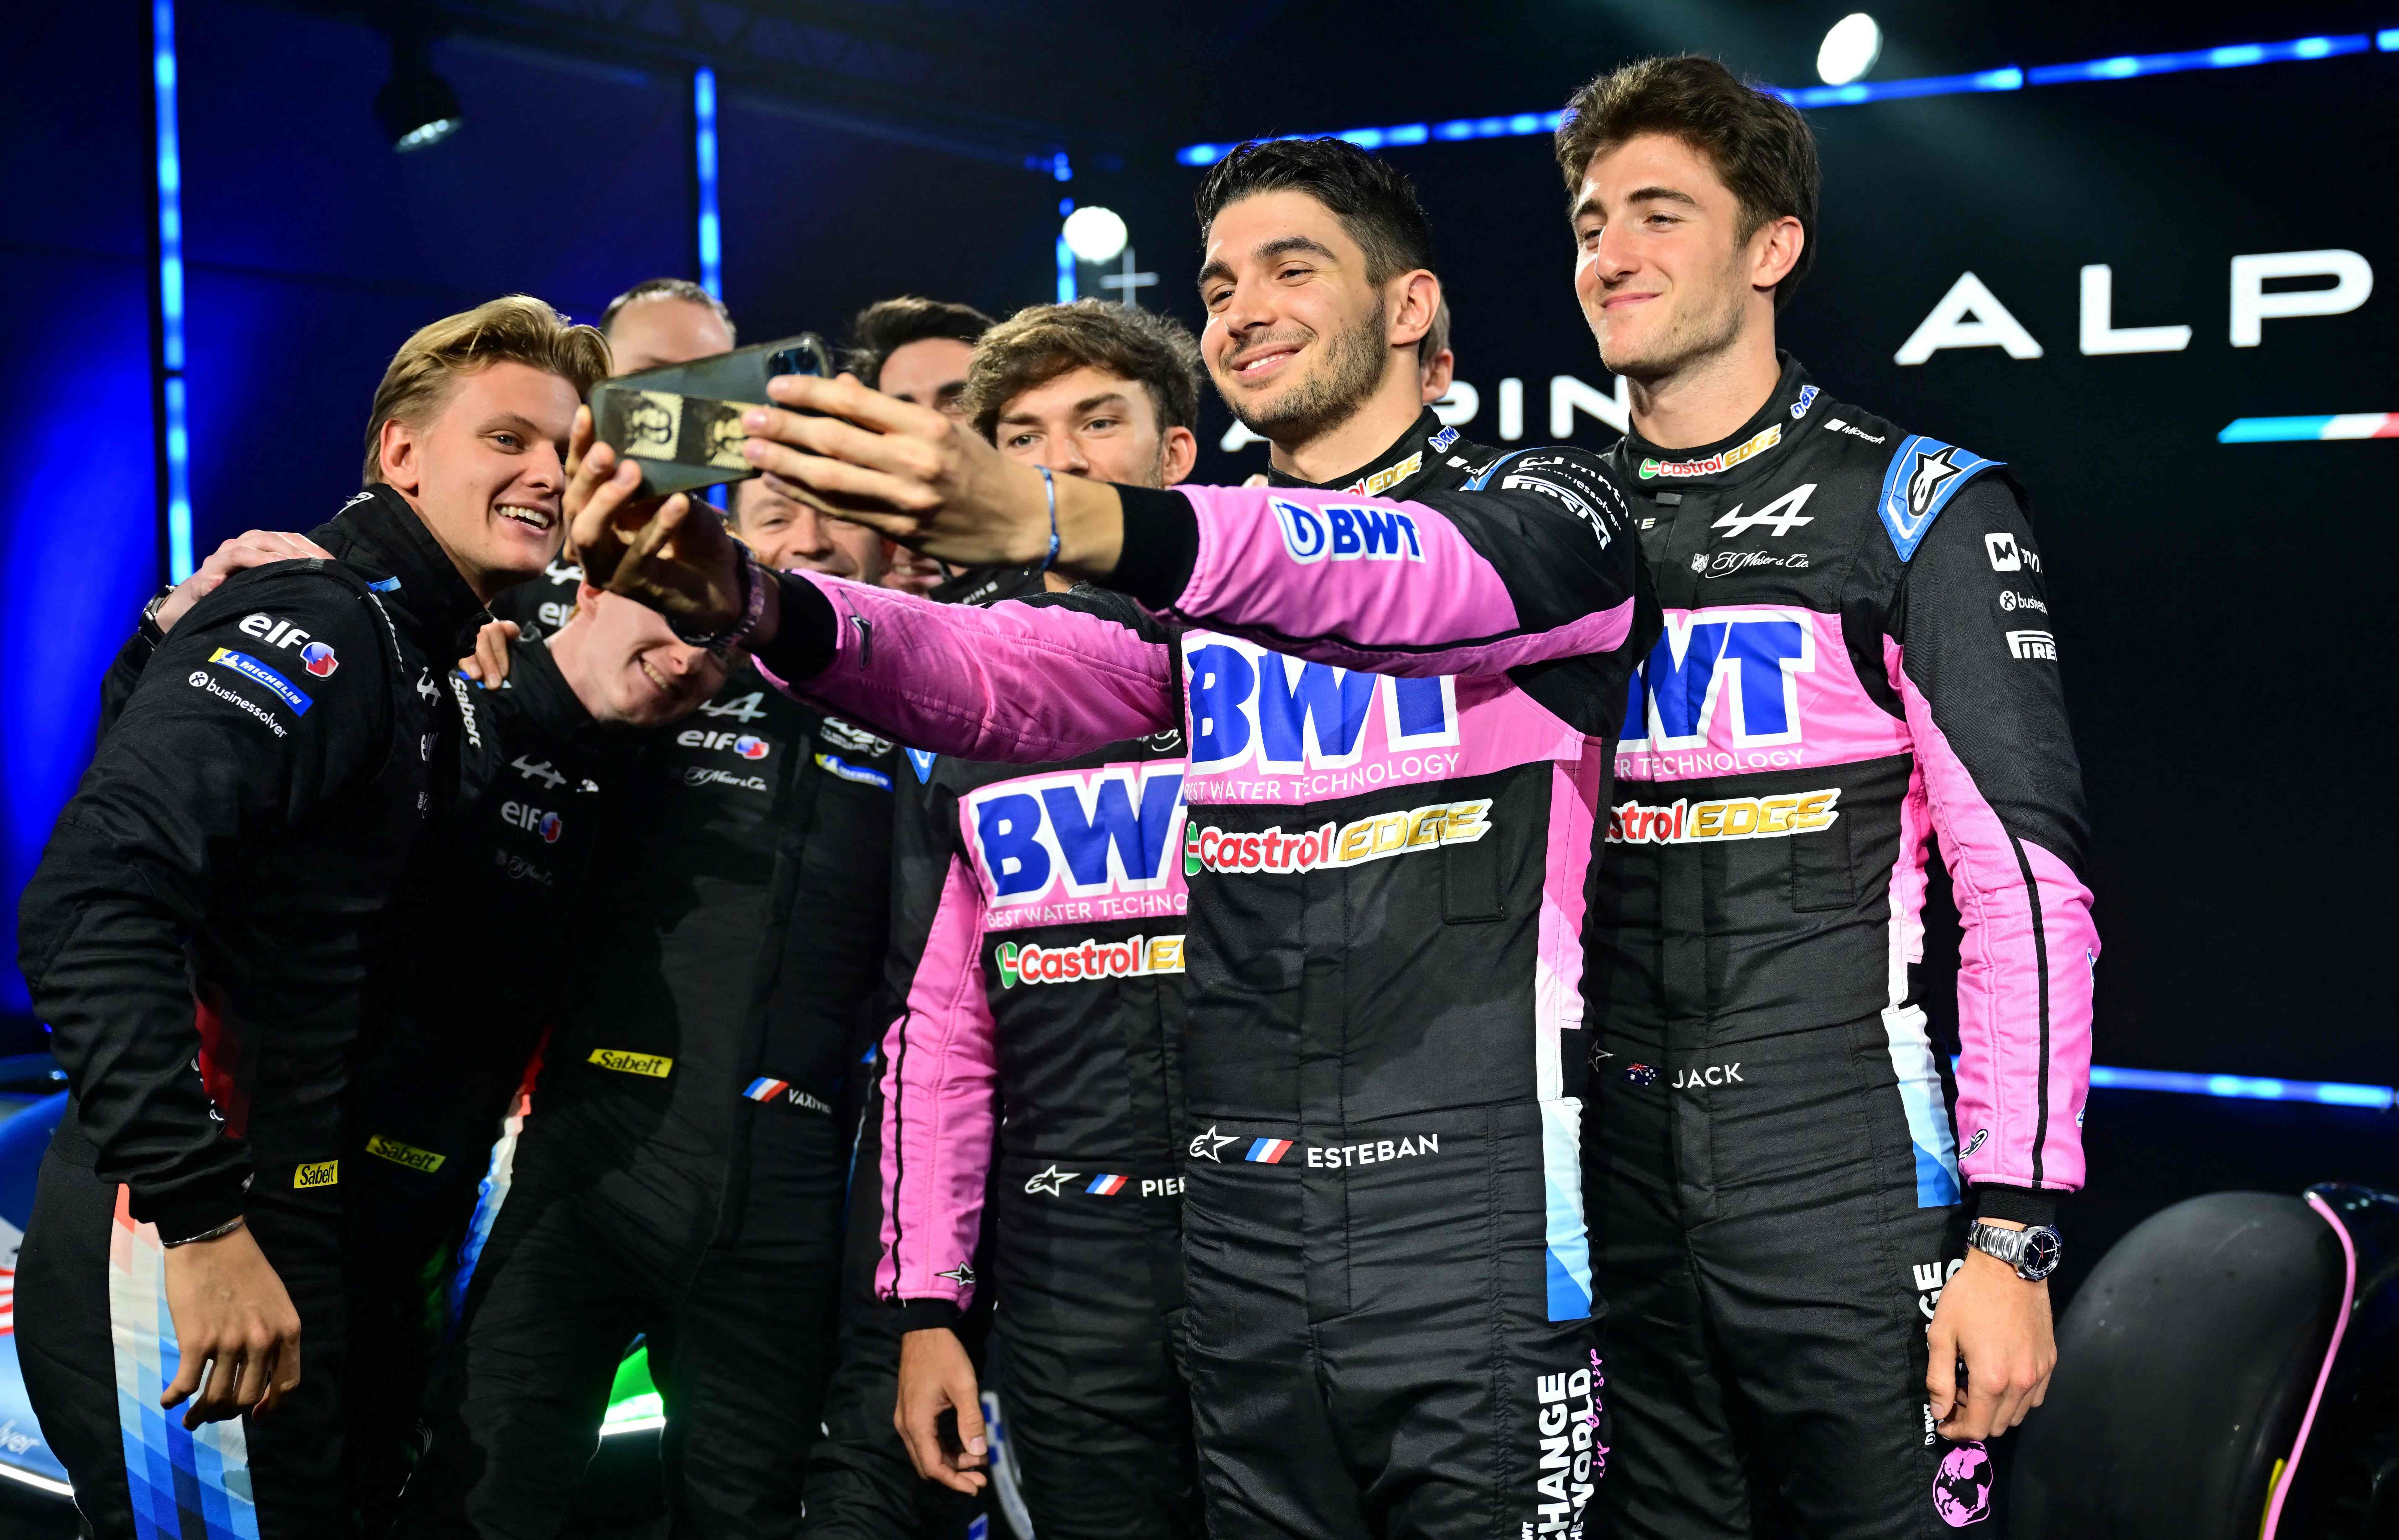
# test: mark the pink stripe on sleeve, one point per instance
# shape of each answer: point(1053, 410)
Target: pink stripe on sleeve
point(2024, 973)
point(1019, 683)
point(940, 1098)
point(1366, 582)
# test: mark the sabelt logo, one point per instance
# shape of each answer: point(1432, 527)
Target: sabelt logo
point(1373, 839)
point(1686, 822)
point(1650, 469)
point(315, 1173)
point(658, 1066)
point(427, 1161)
point(1134, 957)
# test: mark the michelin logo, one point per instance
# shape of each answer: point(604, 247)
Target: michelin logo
point(256, 672)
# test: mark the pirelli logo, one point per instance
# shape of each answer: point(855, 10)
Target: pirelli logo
point(624, 1062)
point(315, 1173)
point(427, 1161)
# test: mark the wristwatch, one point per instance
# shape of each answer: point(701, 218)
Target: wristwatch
point(2033, 1252)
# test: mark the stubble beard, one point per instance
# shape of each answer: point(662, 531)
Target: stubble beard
point(1690, 339)
point(1351, 369)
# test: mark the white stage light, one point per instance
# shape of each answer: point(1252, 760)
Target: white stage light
point(1849, 50)
point(1095, 235)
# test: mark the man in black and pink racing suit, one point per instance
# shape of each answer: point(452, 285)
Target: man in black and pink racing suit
point(1398, 701)
point(1037, 967)
point(1857, 660)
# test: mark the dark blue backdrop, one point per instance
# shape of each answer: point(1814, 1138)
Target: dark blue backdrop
point(2221, 608)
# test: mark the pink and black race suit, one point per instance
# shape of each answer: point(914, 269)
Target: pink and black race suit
point(1858, 661)
point(1397, 710)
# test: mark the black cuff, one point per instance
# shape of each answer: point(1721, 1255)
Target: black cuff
point(925, 1314)
point(806, 636)
point(1161, 545)
point(186, 1214)
point(2017, 1205)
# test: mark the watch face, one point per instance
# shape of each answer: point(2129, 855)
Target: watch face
point(2043, 1247)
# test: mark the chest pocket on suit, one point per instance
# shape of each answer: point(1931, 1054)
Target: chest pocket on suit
point(1823, 869)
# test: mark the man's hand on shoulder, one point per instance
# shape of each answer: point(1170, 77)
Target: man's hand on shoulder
point(251, 548)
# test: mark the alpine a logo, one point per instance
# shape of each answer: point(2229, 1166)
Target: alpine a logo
point(1087, 961)
point(1380, 837)
point(1651, 469)
point(1688, 822)
point(1338, 534)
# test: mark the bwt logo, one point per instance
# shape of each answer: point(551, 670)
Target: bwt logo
point(1756, 658)
point(1249, 703)
point(1097, 831)
point(1346, 534)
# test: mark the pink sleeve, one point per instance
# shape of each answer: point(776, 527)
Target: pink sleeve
point(939, 1097)
point(1399, 587)
point(2025, 954)
point(1018, 683)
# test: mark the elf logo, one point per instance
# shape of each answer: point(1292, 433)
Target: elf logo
point(316, 657)
point(1248, 704)
point(1746, 666)
point(549, 826)
point(1105, 831)
point(743, 744)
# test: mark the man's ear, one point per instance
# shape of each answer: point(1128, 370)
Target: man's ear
point(1775, 250)
point(400, 455)
point(1177, 452)
point(1415, 300)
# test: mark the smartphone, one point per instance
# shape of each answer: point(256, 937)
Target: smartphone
point(682, 423)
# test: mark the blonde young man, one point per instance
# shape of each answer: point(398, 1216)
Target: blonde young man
point(210, 936)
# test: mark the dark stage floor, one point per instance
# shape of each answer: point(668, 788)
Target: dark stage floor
point(2147, 1150)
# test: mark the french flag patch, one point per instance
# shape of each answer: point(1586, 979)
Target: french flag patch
point(1268, 1152)
point(763, 1089)
point(1104, 1185)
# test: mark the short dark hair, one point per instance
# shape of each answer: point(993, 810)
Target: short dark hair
point(1375, 201)
point(886, 326)
point(1757, 143)
point(666, 289)
point(1041, 341)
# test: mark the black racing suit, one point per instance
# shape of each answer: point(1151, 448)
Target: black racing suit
point(1858, 657)
point(1062, 1024)
point(681, 1171)
point(1390, 1327)
point(212, 937)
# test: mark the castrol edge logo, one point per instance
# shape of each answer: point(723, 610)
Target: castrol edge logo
point(1688, 822)
point(1134, 957)
point(1370, 839)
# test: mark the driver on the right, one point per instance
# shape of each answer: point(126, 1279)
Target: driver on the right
point(1858, 656)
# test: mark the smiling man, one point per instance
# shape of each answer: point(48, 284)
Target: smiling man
point(1858, 658)
point(1397, 670)
point(210, 937)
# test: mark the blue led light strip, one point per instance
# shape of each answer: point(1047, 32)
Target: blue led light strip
point(2331, 1093)
point(175, 428)
point(2006, 78)
point(703, 150)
